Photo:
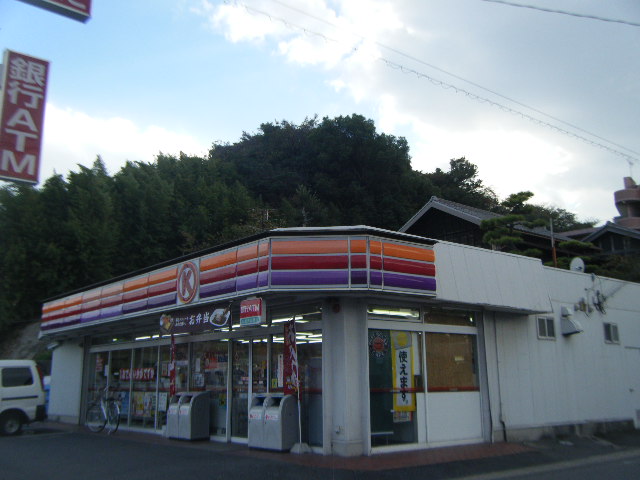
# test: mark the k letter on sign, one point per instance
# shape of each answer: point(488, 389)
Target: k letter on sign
point(187, 282)
point(22, 116)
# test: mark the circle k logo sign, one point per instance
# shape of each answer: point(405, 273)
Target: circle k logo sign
point(187, 282)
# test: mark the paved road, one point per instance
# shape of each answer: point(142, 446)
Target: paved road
point(615, 466)
point(75, 454)
point(85, 456)
point(625, 468)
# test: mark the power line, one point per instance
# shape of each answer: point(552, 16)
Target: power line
point(564, 12)
point(448, 86)
point(493, 92)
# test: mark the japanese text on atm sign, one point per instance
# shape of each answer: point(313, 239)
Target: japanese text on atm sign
point(22, 116)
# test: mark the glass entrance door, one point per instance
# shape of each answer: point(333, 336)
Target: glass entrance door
point(209, 371)
point(240, 381)
point(395, 381)
point(259, 366)
point(249, 377)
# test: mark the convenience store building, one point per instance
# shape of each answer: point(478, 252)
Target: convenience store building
point(403, 342)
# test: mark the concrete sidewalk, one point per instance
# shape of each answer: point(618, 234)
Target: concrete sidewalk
point(481, 462)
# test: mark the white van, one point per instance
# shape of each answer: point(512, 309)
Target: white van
point(22, 396)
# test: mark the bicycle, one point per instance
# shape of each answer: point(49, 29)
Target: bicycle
point(103, 412)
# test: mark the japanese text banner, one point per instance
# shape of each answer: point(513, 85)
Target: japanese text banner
point(195, 320)
point(402, 372)
point(22, 116)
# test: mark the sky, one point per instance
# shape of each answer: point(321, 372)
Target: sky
point(541, 101)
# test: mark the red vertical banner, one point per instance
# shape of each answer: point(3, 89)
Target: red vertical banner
point(172, 368)
point(291, 379)
point(24, 88)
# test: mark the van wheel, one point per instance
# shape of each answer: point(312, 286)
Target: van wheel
point(10, 424)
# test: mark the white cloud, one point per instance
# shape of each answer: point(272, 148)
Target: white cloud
point(509, 161)
point(486, 45)
point(242, 24)
point(73, 137)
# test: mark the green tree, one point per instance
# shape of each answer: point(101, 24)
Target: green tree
point(335, 171)
point(92, 223)
point(356, 175)
point(20, 224)
point(304, 208)
point(504, 233)
point(563, 220)
point(461, 184)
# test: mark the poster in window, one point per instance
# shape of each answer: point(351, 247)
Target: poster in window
point(162, 401)
point(402, 372)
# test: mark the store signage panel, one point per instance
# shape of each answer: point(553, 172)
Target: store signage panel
point(75, 9)
point(195, 320)
point(252, 312)
point(24, 88)
point(372, 263)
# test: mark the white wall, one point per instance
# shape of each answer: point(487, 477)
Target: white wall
point(454, 417)
point(484, 278)
point(577, 379)
point(66, 382)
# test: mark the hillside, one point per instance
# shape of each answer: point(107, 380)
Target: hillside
point(88, 227)
point(23, 342)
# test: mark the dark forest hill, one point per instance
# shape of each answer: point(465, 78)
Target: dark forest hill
point(90, 226)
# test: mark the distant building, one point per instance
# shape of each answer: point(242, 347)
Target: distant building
point(442, 219)
point(622, 236)
point(628, 205)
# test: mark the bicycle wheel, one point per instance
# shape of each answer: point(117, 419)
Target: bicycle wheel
point(95, 420)
point(113, 416)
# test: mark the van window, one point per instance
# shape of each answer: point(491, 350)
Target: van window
point(16, 376)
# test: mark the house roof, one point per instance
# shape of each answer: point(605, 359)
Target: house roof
point(580, 233)
point(610, 227)
point(473, 215)
point(465, 212)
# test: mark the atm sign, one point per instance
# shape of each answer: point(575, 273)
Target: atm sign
point(252, 312)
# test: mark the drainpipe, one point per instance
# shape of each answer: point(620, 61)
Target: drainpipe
point(501, 417)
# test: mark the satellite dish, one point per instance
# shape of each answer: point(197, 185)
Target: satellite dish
point(577, 265)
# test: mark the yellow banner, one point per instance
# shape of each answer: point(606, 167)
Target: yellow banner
point(402, 365)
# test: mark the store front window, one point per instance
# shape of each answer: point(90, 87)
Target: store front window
point(140, 376)
point(310, 361)
point(440, 316)
point(309, 345)
point(120, 382)
point(144, 379)
point(259, 365)
point(97, 381)
point(451, 363)
point(209, 367)
point(164, 385)
point(240, 349)
point(431, 402)
point(454, 406)
point(395, 380)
